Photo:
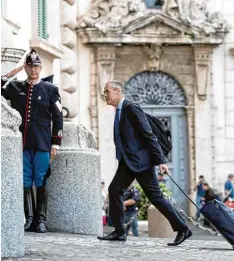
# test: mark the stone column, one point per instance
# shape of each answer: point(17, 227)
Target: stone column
point(74, 201)
point(12, 213)
point(105, 60)
point(68, 63)
point(191, 156)
point(202, 116)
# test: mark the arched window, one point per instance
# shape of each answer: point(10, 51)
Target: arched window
point(156, 4)
point(155, 88)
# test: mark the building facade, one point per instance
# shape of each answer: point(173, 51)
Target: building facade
point(175, 57)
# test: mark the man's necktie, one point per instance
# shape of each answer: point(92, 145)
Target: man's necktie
point(118, 142)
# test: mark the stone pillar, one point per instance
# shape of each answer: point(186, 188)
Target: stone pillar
point(158, 225)
point(12, 213)
point(105, 64)
point(202, 116)
point(74, 201)
point(68, 63)
point(191, 156)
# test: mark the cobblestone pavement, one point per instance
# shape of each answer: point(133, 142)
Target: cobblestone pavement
point(67, 247)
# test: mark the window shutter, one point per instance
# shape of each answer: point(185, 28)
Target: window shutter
point(42, 19)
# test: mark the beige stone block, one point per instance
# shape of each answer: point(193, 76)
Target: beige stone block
point(229, 86)
point(230, 118)
point(230, 104)
point(230, 20)
point(230, 132)
point(230, 76)
point(68, 15)
point(70, 101)
point(230, 36)
point(93, 79)
point(158, 225)
point(186, 79)
point(68, 62)
point(229, 61)
point(68, 37)
point(68, 82)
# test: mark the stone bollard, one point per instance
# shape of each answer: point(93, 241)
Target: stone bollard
point(158, 225)
point(74, 187)
point(12, 213)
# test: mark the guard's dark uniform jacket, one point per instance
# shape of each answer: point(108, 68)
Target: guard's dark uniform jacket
point(38, 105)
point(131, 193)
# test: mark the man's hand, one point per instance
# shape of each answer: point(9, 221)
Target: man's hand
point(163, 169)
point(53, 154)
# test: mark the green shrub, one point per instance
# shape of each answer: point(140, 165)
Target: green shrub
point(144, 203)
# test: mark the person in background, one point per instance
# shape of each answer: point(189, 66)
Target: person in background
point(209, 196)
point(229, 188)
point(131, 196)
point(209, 193)
point(200, 194)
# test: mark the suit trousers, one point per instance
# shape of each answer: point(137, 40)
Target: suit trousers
point(150, 185)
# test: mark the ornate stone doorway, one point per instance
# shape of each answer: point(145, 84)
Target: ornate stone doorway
point(162, 96)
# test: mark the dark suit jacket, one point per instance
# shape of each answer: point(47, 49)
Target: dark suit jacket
point(141, 149)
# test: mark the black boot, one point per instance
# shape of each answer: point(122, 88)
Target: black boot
point(41, 209)
point(29, 210)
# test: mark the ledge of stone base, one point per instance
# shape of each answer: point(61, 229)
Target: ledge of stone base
point(10, 120)
point(78, 137)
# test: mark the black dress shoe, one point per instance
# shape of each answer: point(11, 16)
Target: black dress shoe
point(114, 237)
point(181, 237)
point(30, 226)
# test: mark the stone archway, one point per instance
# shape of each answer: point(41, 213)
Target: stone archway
point(162, 96)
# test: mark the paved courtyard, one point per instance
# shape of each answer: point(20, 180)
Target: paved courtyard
point(68, 247)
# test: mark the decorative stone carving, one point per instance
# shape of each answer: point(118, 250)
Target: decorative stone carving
point(105, 57)
point(68, 61)
point(196, 14)
point(154, 53)
point(11, 54)
point(68, 64)
point(155, 88)
point(109, 15)
point(68, 82)
point(68, 14)
point(202, 58)
point(68, 37)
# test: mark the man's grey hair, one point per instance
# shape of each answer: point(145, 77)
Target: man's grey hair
point(116, 85)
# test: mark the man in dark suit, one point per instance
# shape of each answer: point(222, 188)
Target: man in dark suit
point(138, 152)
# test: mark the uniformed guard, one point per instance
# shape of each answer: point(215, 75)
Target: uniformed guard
point(131, 196)
point(39, 104)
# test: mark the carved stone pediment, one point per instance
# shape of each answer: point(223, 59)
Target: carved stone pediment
point(156, 24)
point(157, 28)
point(112, 21)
